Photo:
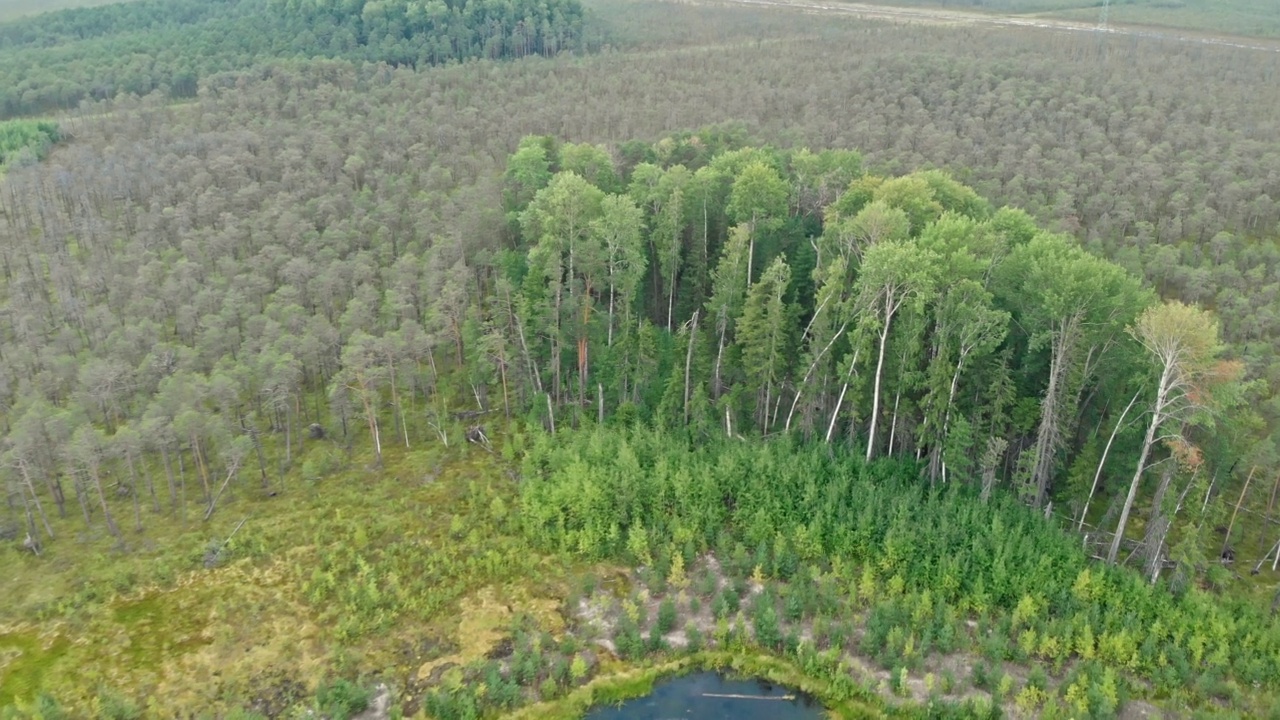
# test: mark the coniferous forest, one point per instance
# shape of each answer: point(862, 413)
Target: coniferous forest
point(474, 359)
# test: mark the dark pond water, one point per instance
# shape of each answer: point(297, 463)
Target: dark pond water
point(708, 696)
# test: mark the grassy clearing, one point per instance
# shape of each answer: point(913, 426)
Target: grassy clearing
point(416, 574)
point(362, 572)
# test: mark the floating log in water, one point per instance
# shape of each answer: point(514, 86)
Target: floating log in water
point(733, 696)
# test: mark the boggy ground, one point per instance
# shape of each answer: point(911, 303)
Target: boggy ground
point(413, 580)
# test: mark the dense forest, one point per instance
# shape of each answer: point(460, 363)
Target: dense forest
point(959, 298)
point(55, 61)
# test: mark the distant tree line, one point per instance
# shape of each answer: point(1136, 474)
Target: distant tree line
point(54, 61)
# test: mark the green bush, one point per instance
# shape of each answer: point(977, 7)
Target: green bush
point(764, 620)
point(341, 699)
point(320, 464)
point(666, 616)
point(627, 639)
point(794, 607)
point(693, 636)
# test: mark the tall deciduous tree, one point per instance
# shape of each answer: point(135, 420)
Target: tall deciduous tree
point(728, 291)
point(758, 200)
point(560, 222)
point(831, 318)
point(1069, 303)
point(528, 171)
point(1183, 344)
point(362, 378)
point(618, 230)
point(894, 275)
point(967, 325)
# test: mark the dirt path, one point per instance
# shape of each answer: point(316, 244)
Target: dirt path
point(937, 16)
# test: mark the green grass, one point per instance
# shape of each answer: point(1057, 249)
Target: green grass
point(27, 661)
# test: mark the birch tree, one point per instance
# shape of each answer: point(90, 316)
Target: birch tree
point(758, 200)
point(827, 327)
point(967, 327)
point(559, 222)
point(1069, 303)
point(618, 230)
point(1182, 343)
point(894, 276)
point(362, 378)
point(728, 291)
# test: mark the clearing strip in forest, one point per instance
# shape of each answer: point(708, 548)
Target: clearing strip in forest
point(936, 16)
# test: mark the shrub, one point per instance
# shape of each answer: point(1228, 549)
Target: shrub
point(655, 643)
point(706, 583)
point(627, 639)
point(342, 699)
point(981, 675)
point(578, 669)
point(720, 607)
point(47, 708)
point(898, 682)
point(676, 575)
point(764, 619)
point(839, 635)
point(524, 667)
point(321, 464)
point(114, 706)
point(794, 607)
point(666, 616)
point(1030, 699)
point(560, 671)
point(1005, 687)
point(791, 642)
point(694, 637)
point(1037, 678)
point(732, 601)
